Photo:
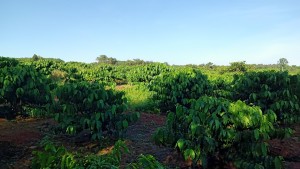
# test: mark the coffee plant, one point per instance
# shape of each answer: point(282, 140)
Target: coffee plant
point(89, 106)
point(8, 62)
point(146, 73)
point(21, 86)
point(176, 87)
point(270, 91)
point(215, 129)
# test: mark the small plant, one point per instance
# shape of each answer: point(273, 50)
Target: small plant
point(54, 157)
point(146, 162)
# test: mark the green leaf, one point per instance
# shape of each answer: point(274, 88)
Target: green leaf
point(256, 134)
point(6, 82)
point(98, 125)
point(19, 92)
point(113, 109)
point(277, 106)
point(277, 163)
point(138, 115)
point(98, 115)
point(180, 144)
point(56, 117)
point(217, 123)
point(194, 127)
point(189, 153)
point(125, 123)
point(264, 149)
point(258, 166)
point(297, 106)
point(94, 136)
point(254, 96)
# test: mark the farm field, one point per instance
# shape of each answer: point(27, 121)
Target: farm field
point(19, 140)
point(56, 114)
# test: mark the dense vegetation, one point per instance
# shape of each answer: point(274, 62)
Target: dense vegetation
point(215, 114)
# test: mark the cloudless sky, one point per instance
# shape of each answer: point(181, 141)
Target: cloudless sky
point(177, 32)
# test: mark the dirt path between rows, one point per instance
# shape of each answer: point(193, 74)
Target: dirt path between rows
point(20, 137)
point(139, 141)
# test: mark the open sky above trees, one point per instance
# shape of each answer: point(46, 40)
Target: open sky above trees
point(177, 32)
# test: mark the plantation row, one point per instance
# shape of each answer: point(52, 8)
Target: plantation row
point(210, 117)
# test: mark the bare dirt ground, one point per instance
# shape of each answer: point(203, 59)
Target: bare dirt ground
point(17, 141)
point(139, 141)
point(20, 137)
point(288, 148)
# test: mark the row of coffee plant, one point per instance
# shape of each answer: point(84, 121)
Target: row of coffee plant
point(76, 105)
point(225, 118)
point(119, 74)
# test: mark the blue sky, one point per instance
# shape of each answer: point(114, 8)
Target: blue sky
point(177, 32)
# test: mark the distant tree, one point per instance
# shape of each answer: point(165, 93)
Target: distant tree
point(282, 63)
point(135, 62)
point(238, 67)
point(210, 65)
point(102, 59)
point(107, 60)
point(36, 57)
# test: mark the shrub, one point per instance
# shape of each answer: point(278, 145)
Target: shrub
point(213, 129)
point(90, 106)
point(178, 86)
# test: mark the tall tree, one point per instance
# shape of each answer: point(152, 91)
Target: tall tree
point(282, 63)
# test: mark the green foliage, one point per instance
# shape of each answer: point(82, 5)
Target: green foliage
point(52, 157)
point(178, 86)
point(106, 161)
point(238, 67)
point(139, 97)
point(22, 85)
point(295, 85)
point(57, 69)
point(36, 57)
point(105, 73)
point(106, 60)
point(146, 162)
point(83, 105)
point(8, 62)
point(45, 66)
point(58, 157)
point(58, 75)
point(203, 129)
point(271, 91)
point(147, 73)
point(213, 128)
point(282, 63)
point(222, 87)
